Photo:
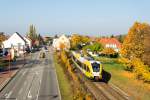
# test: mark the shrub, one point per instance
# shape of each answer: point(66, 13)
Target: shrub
point(141, 71)
point(109, 52)
point(127, 63)
point(137, 66)
point(63, 57)
point(95, 47)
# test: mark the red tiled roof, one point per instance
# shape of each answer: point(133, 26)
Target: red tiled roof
point(105, 41)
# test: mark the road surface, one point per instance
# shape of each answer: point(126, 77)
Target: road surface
point(37, 80)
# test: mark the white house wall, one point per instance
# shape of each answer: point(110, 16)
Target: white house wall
point(14, 40)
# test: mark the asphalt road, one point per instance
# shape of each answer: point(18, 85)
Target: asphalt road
point(37, 80)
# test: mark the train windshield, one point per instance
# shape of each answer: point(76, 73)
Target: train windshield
point(96, 67)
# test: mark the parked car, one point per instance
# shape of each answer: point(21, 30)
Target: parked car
point(45, 48)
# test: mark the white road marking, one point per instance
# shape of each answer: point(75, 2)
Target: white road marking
point(29, 95)
point(8, 95)
point(38, 90)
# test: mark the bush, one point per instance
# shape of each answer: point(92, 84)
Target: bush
point(63, 57)
point(141, 71)
point(137, 66)
point(95, 47)
point(109, 52)
point(127, 63)
point(79, 92)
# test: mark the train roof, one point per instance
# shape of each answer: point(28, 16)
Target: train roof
point(86, 58)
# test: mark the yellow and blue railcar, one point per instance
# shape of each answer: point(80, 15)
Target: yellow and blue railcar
point(88, 66)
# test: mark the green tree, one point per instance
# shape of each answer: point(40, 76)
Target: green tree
point(40, 39)
point(120, 38)
point(32, 34)
point(112, 36)
point(94, 47)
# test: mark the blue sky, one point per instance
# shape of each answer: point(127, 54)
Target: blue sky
point(92, 17)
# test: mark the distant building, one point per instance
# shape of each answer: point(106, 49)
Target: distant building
point(17, 42)
point(110, 43)
point(62, 40)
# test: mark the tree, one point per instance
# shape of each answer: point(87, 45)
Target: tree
point(85, 39)
point(120, 38)
point(75, 40)
point(133, 45)
point(40, 39)
point(95, 47)
point(32, 34)
point(108, 51)
point(112, 36)
point(78, 40)
point(137, 43)
point(146, 55)
point(3, 37)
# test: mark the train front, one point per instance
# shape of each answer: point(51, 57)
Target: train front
point(97, 70)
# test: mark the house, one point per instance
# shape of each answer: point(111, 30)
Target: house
point(28, 42)
point(61, 41)
point(17, 42)
point(110, 43)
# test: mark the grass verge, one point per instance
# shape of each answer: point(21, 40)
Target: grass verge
point(125, 80)
point(64, 85)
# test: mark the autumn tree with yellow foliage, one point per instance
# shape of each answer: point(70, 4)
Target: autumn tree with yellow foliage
point(133, 43)
point(3, 37)
point(137, 42)
point(77, 40)
point(146, 55)
point(136, 48)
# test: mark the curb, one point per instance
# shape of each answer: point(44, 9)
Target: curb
point(7, 81)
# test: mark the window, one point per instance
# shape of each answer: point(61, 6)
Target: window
point(87, 69)
point(96, 67)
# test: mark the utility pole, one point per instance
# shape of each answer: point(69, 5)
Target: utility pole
point(24, 54)
point(9, 57)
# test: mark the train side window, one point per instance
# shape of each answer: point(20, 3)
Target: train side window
point(79, 63)
point(73, 57)
point(88, 70)
point(84, 66)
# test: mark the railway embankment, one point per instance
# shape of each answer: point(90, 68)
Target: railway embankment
point(78, 91)
point(84, 88)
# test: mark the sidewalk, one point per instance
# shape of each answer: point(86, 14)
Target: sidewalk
point(6, 76)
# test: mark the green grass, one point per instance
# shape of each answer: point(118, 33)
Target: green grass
point(64, 85)
point(125, 80)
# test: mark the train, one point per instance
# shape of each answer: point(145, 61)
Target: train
point(87, 65)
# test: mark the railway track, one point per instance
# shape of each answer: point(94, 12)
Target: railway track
point(102, 90)
point(110, 92)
